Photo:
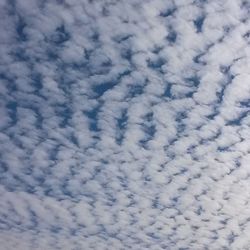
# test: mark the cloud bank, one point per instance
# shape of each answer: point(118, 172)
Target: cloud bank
point(124, 124)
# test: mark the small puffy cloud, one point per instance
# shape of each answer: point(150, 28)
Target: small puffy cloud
point(124, 125)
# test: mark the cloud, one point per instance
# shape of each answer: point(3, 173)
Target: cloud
point(124, 125)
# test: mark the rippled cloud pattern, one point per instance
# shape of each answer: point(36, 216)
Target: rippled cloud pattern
point(124, 124)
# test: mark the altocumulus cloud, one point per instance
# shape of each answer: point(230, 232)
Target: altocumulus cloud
point(124, 124)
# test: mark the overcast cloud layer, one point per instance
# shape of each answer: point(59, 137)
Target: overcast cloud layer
point(124, 124)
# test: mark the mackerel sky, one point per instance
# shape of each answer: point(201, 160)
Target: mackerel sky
point(124, 124)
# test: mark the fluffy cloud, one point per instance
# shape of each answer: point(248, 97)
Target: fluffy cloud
point(124, 124)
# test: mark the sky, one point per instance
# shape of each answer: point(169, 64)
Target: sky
point(124, 124)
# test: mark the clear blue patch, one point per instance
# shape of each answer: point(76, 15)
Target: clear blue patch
point(231, 238)
point(157, 49)
point(228, 75)
point(123, 181)
point(168, 12)
point(225, 69)
point(60, 36)
point(156, 203)
point(227, 29)
point(148, 128)
point(193, 80)
point(223, 149)
point(95, 36)
point(102, 88)
point(247, 35)
point(147, 178)
point(33, 220)
point(102, 69)
point(111, 201)
point(36, 79)
point(55, 229)
point(20, 54)
point(53, 152)
point(197, 59)
point(87, 53)
point(175, 199)
point(3, 167)
point(121, 125)
point(39, 118)
point(64, 188)
point(20, 25)
point(122, 121)
point(245, 103)
point(4, 225)
point(52, 54)
point(73, 139)
point(65, 80)
point(224, 221)
point(179, 119)
point(237, 121)
point(212, 138)
point(198, 23)
point(172, 36)
point(199, 210)
point(127, 54)
point(93, 118)
point(135, 90)
point(12, 111)
point(9, 82)
point(64, 113)
point(167, 92)
point(40, 179)
point(153, 235)
point(190, 94)
point(156, 64)
point(122, 38)
point(213, 115)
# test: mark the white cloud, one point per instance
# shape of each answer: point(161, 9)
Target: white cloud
point(124, 125)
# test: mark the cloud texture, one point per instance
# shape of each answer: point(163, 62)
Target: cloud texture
point(124, 124)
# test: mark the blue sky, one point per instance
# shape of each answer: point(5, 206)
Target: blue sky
point(124, 124)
